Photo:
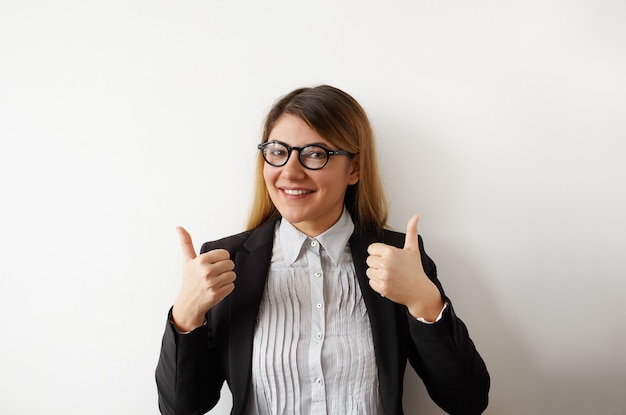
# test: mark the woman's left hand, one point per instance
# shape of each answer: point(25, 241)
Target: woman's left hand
point(398, 275)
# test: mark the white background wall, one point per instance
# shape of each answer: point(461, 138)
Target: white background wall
point(501, 122)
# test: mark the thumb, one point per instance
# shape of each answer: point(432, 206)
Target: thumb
point(185, 243)
point(410, 241)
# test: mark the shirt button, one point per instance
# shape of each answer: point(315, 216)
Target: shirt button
point(313, 242)
point(318, 381)
point(318, 274)
point(319, 305)
point(318, 336)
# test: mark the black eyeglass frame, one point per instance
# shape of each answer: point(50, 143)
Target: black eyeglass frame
point(328, 152)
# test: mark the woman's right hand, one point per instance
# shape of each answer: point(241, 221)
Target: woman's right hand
point(207, 279)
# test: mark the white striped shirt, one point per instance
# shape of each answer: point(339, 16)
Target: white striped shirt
point(313, 350)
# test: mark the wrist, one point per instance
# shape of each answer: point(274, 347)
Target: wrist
point(427, 309)
point(185, 322)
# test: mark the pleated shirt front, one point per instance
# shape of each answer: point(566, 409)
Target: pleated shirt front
point(313, 351)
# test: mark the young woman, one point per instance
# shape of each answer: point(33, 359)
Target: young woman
point(317, 307)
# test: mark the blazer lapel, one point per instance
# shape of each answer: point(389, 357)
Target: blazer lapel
point(383, 321)
point(251, 265)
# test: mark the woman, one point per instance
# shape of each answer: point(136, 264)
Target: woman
point(316, 307)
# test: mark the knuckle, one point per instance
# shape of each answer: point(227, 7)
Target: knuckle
point(208, 285)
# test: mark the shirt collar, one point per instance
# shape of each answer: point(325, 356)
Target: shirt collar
point(333, 240)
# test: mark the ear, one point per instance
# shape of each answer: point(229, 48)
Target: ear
point(354, 170)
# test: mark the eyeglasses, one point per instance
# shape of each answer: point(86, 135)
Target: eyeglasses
point(312, 156)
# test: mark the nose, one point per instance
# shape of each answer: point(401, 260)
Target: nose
point(293, 169)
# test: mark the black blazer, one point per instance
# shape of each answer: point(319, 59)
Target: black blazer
point(192, 367)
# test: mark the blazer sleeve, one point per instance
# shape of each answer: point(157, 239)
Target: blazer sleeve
point(193, 367)
point(189, 373)
point(188, 376)
point(446, 359)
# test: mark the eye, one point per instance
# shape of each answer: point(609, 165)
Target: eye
point(277, 151)
point(314, 153)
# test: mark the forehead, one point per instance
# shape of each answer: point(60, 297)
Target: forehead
point(292, 130)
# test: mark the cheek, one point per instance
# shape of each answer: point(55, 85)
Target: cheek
point(347, 175)
point(332, 184)
point(267, 175)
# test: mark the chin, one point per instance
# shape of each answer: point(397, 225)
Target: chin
point(294, 218)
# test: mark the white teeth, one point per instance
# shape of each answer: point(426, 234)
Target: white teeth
point(296, 192)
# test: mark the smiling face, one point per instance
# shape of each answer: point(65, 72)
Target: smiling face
point(312, 200)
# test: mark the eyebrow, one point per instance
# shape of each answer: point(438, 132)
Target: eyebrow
point(317, 143)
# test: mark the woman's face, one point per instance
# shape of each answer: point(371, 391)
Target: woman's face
point(312, 200)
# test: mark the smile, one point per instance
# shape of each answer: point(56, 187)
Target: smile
point(296, 192)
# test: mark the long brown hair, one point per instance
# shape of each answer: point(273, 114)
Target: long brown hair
point(339, 118)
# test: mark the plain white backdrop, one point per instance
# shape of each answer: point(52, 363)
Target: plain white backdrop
point(502, 123)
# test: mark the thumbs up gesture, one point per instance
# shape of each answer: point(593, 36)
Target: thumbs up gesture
point(398, 275)
point(207, 279)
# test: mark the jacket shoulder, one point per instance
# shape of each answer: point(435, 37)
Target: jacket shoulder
point(248, 240)
point(392, 238)
point(397, 239)
point(232, 242)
